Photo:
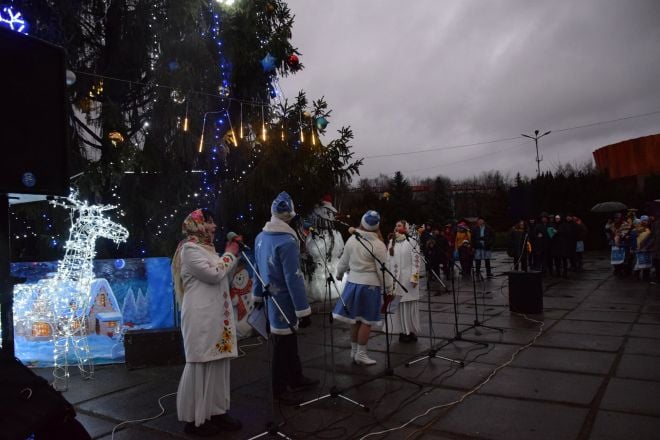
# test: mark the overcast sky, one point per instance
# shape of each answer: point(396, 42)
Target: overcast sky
point(431, 74)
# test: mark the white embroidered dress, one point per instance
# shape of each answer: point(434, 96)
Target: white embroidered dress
point(209, 334)
point(405, 264)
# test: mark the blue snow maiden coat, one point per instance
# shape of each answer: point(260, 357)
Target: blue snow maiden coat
point(277, 258)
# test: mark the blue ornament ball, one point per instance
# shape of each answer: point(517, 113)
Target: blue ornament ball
point(321, 123)
point(120, 263)
point(268, 63)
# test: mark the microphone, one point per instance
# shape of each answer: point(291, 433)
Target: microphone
point(233, 236)
point(353, 231)
point(342, 223)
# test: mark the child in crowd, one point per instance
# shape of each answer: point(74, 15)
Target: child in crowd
point(465, 256)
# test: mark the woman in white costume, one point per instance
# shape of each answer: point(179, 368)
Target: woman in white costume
point(404, 262)
point(201, 283)
point(363, 291)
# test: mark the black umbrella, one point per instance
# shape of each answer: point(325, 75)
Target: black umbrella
point(609, 207)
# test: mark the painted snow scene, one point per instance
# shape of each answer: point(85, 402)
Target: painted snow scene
point(125, 294)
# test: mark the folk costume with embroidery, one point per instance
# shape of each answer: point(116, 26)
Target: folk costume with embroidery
point(207, 322)
point(405, 264)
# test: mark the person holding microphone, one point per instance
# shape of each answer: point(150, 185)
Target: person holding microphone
point(201, 284)
point(362, 292)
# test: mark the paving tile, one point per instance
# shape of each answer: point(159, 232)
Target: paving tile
point(633, 396)
point(616, 298)
point(580, 341)
point(513, 320)
point(139, 433)
point(592, 327)
point(253, 414)
point(134, 403)
point(106, 380)
point(508, 336)
point(543, 385)
point(646, 346)
point(635, 366)
point(609, 307)
point(557, 359)
point(615, 426)
point(511, 419)
point(591, 315)
point(645, 331)
point(651, 308)
point(408, 402)
point(439, 372)
point(96, 427)
point(649, 318)
point(492, 354)
point(559, 303)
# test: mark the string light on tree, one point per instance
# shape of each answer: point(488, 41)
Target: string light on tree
point(12, 19)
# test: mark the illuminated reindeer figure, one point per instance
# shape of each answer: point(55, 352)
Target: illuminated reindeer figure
point(67, 294)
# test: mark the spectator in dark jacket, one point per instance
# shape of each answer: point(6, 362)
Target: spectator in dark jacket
point(541, 246)
point(518, 245)
point(561, 246)
point(465, 256)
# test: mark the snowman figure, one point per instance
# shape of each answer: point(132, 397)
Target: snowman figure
point(241, 299)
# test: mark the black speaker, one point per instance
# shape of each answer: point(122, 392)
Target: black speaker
point(153, 347)
point(526, 292)
point(29, 405)
point(33, 125)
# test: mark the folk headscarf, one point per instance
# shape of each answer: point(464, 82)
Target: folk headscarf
point(194, 231)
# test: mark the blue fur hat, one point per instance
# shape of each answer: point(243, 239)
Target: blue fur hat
point(370, 221)
point(282, 207)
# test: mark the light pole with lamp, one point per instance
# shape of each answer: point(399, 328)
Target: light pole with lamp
point(536, 138)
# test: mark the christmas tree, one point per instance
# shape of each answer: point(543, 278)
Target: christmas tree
point(176, 105)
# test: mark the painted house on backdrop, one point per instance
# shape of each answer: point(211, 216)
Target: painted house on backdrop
point(103, 316)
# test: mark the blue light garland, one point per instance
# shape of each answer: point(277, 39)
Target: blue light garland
point(11, 19)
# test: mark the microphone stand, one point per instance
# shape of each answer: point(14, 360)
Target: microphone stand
point(458, 334)
point(272, 427)
point(478, 323)
point(389, 371)
point(334, 391)
point(432, 353)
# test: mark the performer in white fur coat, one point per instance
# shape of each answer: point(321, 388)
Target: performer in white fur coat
point(325, 249)
point(405, 264)
point(207, 326)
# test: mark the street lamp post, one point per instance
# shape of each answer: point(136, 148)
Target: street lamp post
point(536, 138)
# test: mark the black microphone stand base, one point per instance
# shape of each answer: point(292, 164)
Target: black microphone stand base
point(389, 372)
point(272, 428)
point(334, 393)
point(433, 354)
point(476, 322)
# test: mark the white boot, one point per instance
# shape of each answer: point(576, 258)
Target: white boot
point(354, 347)
point(361, 357)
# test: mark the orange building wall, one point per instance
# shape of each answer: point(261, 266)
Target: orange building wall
point(634, 157)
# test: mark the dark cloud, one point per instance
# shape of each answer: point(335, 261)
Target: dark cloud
point(421, 74)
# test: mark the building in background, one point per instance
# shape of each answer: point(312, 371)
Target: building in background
point(634, 159)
